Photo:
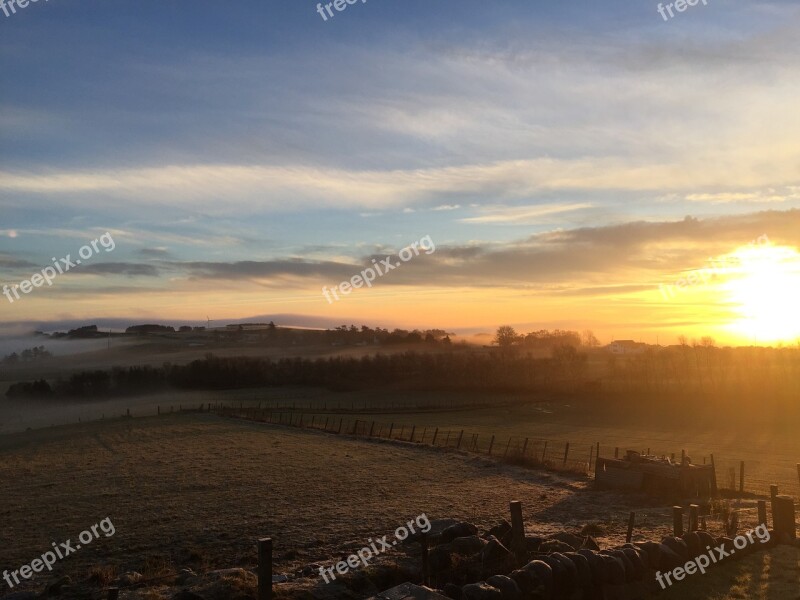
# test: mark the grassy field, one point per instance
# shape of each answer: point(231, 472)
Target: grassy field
point(771, 451)
point(197, 490)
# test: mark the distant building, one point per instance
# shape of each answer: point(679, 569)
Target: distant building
point(626, 347)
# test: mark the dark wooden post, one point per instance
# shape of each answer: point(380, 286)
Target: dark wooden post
point(631, 523)
point(762, 512)
point(677, 521)
point(372, 429)
point(783, 517)
point(426, 570)
point(265, 569)
point(616, 452)
point(741, 477)
point(413, 429)
point(447, 439)
point(340, 424)
point(524, 447)
point(566, 453)
point(713, 476)
point(491, 443)
point(596, 454)
point(435, 433)
point(159, 412)
point(507, 447)
point(424, 431)
point(773, 491)
point(518, 545)
point(694, 515)
point(458, 447)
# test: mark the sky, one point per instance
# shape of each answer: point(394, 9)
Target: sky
point(570, 162)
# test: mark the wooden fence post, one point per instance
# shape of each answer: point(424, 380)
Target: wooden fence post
point(741, 477)
point(591, 450)
point(677, 521)
point(524, 447)
point(491, 443)
point(713, 476)
point(773, 491)
point(413, 429)
point(435, 433)
point(616, 452)
point(544, 451)
point(631, 523)
point(762, 512)
point(694, 515)
point(424, 431)
point(518, 544)
point(340, 425)
point(372, 429)
point(566, 453)
point(458, 447)
point(426, 570)
point(507, 447)
point(265, 569)
point(159, 412)
point(391, 427)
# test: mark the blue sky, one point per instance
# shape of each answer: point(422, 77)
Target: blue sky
point(255, 131)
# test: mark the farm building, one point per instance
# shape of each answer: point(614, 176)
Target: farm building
point(655, 475)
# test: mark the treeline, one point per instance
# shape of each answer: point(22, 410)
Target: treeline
point(413, 370)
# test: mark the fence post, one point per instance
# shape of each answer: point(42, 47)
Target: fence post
point(435, 433)
point(159, 412)
point(391, 427)
point(616, 452)
point(694, 515)
point(596, 455)
point(677, 521)
point(518, 545)
point(426, 571)
point(762, 512)
point(566, 453)
point(741, 477)
point(507, 447)
point(491, 443)
point(524, 447)
point(413, 429)
point(631, 523)
point(713, 475)
point(372, 429)
point(773, 491)
point(340, 425)
point(591, 450)
point(447, 439)
point(265, 569)
point(458, 447)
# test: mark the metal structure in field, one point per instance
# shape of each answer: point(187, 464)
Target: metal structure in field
point(658, 476)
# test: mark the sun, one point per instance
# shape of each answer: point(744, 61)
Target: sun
point(763, 290)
